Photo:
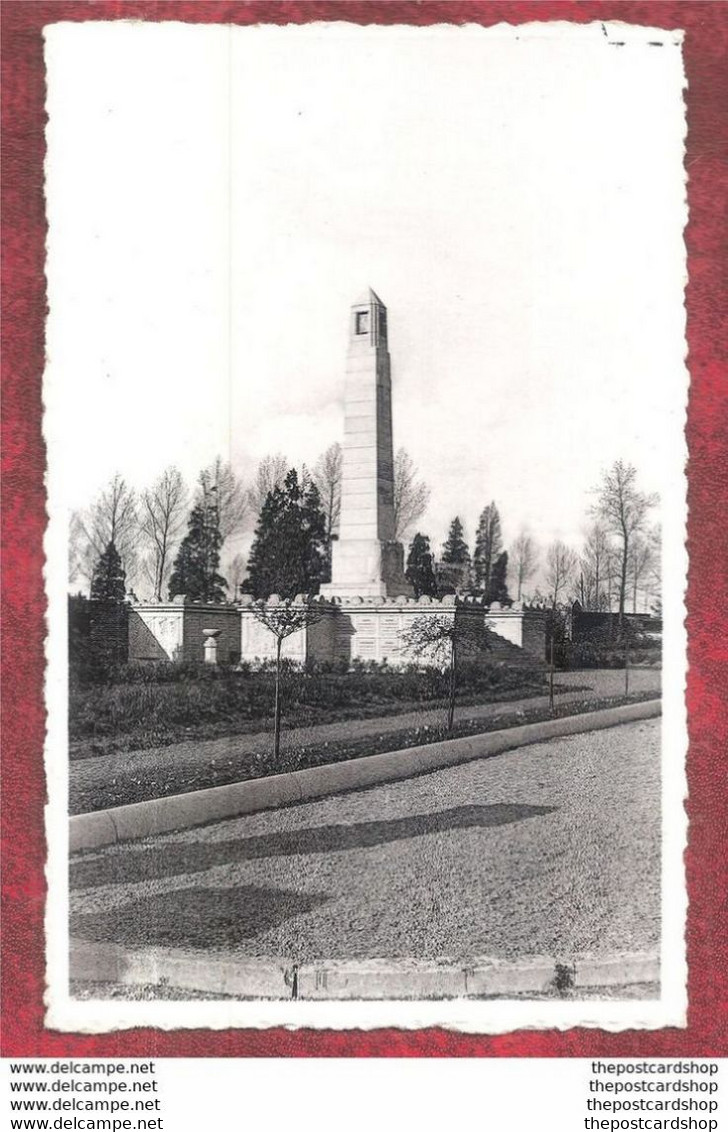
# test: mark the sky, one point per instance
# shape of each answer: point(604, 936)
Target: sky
point(219, 197)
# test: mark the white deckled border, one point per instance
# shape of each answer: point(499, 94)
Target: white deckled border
point(67, 1014)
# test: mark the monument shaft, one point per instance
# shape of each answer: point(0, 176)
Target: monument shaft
point(366, 559)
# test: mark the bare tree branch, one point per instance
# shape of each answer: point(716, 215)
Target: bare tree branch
point(163, 509)
point(440, 640)
point(411, 495)
point(113, 517)
point(327, 477)
point(524, 561)
point(560, 565)
point(624, 510)
point(641, 565)
point(271, 473)
point(79, 566)
point(232, 500)
point(594, 570)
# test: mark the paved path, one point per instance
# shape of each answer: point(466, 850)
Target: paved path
point(152, 766)
point(551, 849)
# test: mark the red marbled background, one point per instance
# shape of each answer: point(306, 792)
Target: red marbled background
point(23, 518)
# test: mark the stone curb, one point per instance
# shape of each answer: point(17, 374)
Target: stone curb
point(199, 807)
point(374, 979)
point(194, 971)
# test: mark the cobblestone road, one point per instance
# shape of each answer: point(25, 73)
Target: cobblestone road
point(551, 849)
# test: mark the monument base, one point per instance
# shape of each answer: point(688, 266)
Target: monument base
point(358, 628)
point(367, 568)
point(343, 591)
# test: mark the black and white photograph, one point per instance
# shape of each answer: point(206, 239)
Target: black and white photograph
point(364, 409)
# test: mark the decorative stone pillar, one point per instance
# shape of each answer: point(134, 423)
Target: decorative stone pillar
point(211, 636)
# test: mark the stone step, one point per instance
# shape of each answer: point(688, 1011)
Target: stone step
point(501, 649)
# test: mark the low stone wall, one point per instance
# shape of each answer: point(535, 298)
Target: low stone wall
point(155, 633)
point(98, 633)
point(176, 631)
point(343, 629)
point(377, 628)
point(340, 630)
point(347, 629)
point(314, 642)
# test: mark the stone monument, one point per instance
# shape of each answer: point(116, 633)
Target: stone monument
point(366, 612)
point(367, 561)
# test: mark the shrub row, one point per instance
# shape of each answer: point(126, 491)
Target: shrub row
point(590, 654)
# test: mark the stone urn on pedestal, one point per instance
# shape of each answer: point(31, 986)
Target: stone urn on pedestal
point(210, 644)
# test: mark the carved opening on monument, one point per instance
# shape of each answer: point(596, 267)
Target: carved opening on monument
point(362, 322)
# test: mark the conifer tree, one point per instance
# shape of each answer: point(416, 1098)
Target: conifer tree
point(288, 556)
point(498, 587)
point(195, 573)
point(108, 582)
point(488, 543)
point(420, 567)
point(455, 549)
point(453, 571)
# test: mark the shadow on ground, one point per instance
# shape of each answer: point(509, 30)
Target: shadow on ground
point(194, 917)
point(138, 863)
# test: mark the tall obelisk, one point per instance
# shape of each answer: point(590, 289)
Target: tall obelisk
point(367, 561)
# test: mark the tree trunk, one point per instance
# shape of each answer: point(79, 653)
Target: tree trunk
point(623, 578)
point(277, 709)
point(160, 576)
point(451, 697)
point(551, 665)
point(596, 604)
point(163, 553)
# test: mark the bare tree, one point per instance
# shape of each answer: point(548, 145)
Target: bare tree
point(594, 569)
point(641, 565)
point(231, 498)
point(524, 561)
point(441, 640)
point(271, 473)
point(653, 586)
point(625, 511)
point(79, 566)
point(327, 477)
point(163, 512)
point(282, 620)
point(560, 566)
point(112, 518)
point(411, 495)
